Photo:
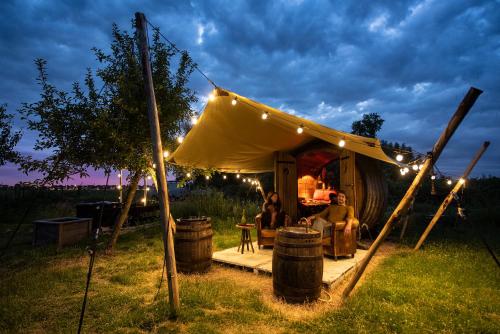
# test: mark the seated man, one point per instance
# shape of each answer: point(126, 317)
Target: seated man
point(334, 213)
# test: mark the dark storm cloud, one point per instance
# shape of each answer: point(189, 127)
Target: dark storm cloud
point(330, 61)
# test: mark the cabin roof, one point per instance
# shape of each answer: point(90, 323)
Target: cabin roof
point(235, 138)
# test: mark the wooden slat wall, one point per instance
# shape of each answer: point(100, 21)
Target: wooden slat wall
point(347, 177)
point(285, 182)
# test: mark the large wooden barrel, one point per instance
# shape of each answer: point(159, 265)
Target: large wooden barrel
point(193, 245)
point(297, 264)
point(371, 190)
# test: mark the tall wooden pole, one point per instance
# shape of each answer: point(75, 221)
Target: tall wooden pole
point(452, 193)
point(154, 124)
point(402, 207)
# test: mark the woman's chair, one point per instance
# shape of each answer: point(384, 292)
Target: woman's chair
point(265, 237)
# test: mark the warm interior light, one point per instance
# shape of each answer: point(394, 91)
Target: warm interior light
point(300, 129)
point(143, 200)
point(180, 139)
point(165, 154)
point(147, 189)
point(118, 187)
point(265, 115)
point(399, 157)
point(342, 143)
point(149, 177)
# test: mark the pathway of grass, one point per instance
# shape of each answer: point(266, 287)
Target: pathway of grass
point(448, 287)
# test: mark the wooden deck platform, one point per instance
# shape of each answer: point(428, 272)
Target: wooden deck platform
point(261, 262)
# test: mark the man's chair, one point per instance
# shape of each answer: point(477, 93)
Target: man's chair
point(265, 237)
point(336, 244)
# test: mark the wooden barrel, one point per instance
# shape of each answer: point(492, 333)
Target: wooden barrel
point(193, 245)
point(371, 190)
point(297, 264)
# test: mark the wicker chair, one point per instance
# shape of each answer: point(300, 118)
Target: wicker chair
point(336, 245)
point(266, 237)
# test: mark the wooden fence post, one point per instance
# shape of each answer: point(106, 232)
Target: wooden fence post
point(450, 196)
point(402, 207)
point(154, 125)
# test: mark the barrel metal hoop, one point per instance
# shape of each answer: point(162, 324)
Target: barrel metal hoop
point(299, 258)
point(193, 239)
point(289, 245)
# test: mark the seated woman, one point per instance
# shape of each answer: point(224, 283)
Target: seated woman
point(272, 214)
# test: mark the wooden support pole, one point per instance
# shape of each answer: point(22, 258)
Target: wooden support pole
point(451, 195)
point(402, 207)
point(154, 124)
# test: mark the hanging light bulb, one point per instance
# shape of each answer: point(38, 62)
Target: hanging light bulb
point(399, 157)
point(194, 120)
point(402, 171)
point(449, 182)
point(165, 154)
point(300, 129)
point(234, 101)
point(188, 174)
point(224, 177)
point(342, 143)
point(180, 139)
point(461, 181)
point(406, 169)
point(265, 115)
point(244, 180)
point(211, 96)
point(414, 167)
point(433, 177)
point(420, 166)
point(237, 176)
point(154, 165)
point(207, 177)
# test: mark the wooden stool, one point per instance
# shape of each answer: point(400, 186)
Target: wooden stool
point(246, 237)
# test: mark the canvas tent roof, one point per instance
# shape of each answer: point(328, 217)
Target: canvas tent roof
point(235, 138)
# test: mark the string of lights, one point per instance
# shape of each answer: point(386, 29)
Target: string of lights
point(416, 164)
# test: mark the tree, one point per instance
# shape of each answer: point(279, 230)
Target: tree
point(110, 129)
point(368, 126)
point(8, 139)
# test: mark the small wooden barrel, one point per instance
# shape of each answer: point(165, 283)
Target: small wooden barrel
point(297, 264)
point(193, 245)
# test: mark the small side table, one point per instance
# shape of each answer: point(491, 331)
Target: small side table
point(246, 237)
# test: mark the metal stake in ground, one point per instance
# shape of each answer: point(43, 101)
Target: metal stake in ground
point(451, 195)
point(154, 125)
point(402, 207)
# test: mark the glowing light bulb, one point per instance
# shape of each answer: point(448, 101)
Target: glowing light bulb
point(449, 182)
point(414, 167)
point(180, 139)
point(234, 101)
point(211, 96)
point(300, 129)
point(461, 181)
point(118, 187)
point(194, 120)
point(207, 177)
point(237, 176)
point(265, 115)
point(342, 143)
point(166, 154)
point(420, 166)
point(224, 177)
point(399, 157)
point(188, 174)
point(143, 200)
point(154, 165)
point(402, 171)
point(244, 180)
point(433, 177)
point(406, 169)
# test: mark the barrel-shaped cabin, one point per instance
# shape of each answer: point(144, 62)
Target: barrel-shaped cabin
point(235, 134)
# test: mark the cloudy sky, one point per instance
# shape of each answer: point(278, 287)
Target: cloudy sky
point(330, 61)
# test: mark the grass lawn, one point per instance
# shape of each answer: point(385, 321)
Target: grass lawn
point(450, 286)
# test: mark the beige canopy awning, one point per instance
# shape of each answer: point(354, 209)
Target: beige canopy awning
point(232, 136)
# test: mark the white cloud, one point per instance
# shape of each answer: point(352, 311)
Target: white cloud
point(365, 104)
point(379, 24)
point(420, 87)
point(205, 29)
